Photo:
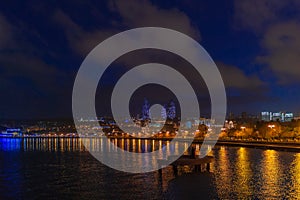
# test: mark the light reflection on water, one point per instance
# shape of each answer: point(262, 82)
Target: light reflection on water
point(65, 165)
point(223, 173)
point(295, 171)
point(244, 173)
point(271, 171)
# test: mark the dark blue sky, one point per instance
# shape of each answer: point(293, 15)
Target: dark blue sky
point(255, 44)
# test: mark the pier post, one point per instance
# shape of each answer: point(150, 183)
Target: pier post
point(197, 168)
point(160, 175)
point(175, 170)
point(208, 166)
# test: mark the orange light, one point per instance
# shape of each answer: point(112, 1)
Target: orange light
point(271, 126)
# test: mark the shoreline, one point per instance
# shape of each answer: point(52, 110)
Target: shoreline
point(272, 145)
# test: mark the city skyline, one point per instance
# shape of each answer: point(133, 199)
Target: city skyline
point(150, 99)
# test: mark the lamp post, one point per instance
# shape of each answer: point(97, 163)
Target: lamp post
point(243, 128)
point(271, 126)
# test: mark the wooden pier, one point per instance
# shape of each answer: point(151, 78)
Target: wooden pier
point(186, 160)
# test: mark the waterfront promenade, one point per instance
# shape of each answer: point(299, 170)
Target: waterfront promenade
point(278, 144)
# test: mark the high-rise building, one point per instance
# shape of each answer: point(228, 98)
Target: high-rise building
point(265, 116)
point(288, 117)
point(146, 110)
point(277, 116)
point(171, 111)
point(164, 112)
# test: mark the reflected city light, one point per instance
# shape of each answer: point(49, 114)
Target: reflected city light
point(224, 172)
point(270, 172)
point(244, 173)
point(295, 171)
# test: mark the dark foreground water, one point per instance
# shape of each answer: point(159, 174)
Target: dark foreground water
point(63, 169)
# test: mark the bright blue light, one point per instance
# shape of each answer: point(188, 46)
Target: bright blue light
point(10, 144)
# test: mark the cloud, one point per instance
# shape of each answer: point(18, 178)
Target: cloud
point(234, 77)
point(277, 25)
point(6, 32)
point(17, 59)
point(257, 15)
point(140, 14)
point(81, 41)
point(133, 14)
point(28, 67)
point(28, 83)
point(244, 89)
point(144, 13)
point(282, 43)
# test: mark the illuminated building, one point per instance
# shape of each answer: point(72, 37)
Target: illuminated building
point(10, 132)
point(171, 112)
point(146, 110)
point(277, 116)
point(288, 117)
point(164, 112)
point(265, 116)
point(229, 124)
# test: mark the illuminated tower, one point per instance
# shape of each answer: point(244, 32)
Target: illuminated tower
point(145, 110)
point(171, 112)
point(164, 112)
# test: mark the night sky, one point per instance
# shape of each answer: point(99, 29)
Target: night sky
point(255, 44)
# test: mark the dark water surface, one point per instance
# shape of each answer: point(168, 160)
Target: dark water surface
point(62, 169)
